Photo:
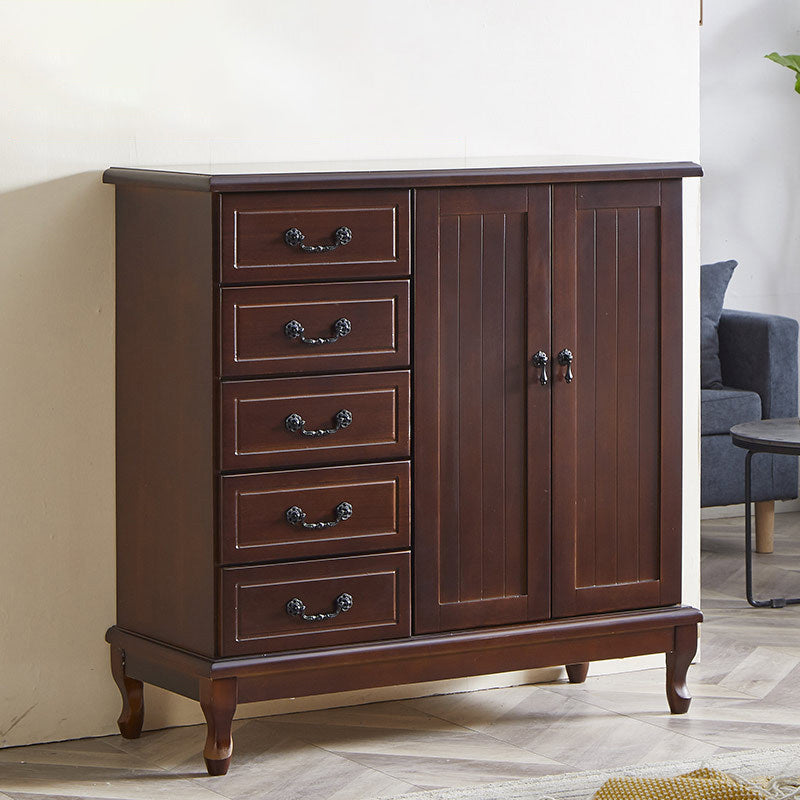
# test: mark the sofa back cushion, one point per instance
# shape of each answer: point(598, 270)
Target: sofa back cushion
point(714, 279)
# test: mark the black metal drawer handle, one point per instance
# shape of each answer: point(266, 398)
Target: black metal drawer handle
point(565, 359)
point(294, 330)
point(540, 361)
point(296, 424)
point(294, 238)
point(297, 517)
point(297, 608)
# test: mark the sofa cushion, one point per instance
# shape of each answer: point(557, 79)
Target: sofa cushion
point(714, 279)
point(721, 409)
point(722, 474)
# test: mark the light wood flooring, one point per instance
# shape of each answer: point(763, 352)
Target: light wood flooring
point(746, 694)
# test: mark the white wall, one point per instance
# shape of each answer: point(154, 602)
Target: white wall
point(86, 84)
point(750, 125)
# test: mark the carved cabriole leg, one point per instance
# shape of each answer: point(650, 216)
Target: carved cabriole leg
point(677, 665)
point(765, 526)
point(132, 716)
point(218, 701)
point(577, 672)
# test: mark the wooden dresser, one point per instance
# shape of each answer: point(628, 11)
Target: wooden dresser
point(383, 426)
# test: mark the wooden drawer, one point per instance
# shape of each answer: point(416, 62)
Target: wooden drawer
point(255, 525)
point(254, 226)
point(254, 611)
point(257, 417)
point(367, 323)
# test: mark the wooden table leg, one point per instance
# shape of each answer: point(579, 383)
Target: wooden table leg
point(577, 672)
point(678, 662)
point(218, 701)
point(132, 717)
point(765, 526)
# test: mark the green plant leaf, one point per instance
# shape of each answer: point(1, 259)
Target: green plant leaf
point(791, 62)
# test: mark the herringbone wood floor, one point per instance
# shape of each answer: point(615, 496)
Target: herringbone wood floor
point(746, 694)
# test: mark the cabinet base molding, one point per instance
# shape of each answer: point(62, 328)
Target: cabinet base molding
point(220, 683)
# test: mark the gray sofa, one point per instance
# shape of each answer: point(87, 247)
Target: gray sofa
point(758, 355)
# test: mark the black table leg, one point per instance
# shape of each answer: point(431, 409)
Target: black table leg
point(777, 602)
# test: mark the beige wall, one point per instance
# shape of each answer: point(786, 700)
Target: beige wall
point(86, 84)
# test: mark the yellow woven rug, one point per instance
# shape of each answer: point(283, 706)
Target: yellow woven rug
point(700, 784)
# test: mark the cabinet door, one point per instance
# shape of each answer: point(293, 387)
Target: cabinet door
point(617, 425)
point(481, 416)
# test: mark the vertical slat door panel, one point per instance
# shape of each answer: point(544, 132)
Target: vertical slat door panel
point(481, 417)
point(616, 426)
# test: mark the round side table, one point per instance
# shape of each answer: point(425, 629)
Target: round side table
point(780, 436)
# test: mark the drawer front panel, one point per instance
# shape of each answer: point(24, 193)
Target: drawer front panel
point(256, 340)
point(254, 226)
point(263, 421)
point(377, 515)
point(254, 603)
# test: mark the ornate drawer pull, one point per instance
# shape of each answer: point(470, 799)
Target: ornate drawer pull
point(297, 608)
point(297, 517)
point(565, 359)
point(296, 424)
point(540, 362)
point(294, 238)
point(294, 330)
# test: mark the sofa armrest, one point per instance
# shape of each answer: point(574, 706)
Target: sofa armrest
point(758, 352)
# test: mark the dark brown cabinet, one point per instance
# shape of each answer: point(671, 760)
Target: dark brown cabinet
point(254, 508)
point(331, 419)
point(369, 322)
point(502, 274)
point(388, 427)
point(481, 418)
point(617, 425)
point(254, 599)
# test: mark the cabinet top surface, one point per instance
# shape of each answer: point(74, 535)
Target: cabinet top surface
point(399, 173)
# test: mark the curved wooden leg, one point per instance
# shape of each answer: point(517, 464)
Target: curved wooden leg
point(577, 672)
point(677, 665)
point(132, 717)
point(218, 701)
